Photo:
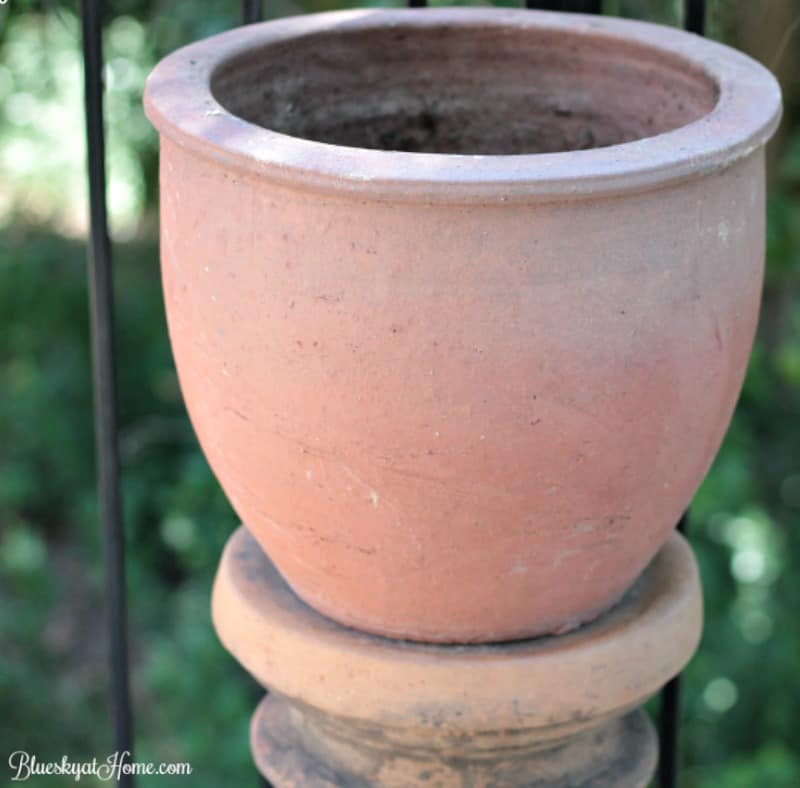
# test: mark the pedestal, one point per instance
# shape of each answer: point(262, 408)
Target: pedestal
point(350, 709)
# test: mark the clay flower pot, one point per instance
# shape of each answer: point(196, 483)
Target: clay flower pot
point(461, 299)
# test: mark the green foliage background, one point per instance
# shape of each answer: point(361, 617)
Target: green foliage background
point(192, 702)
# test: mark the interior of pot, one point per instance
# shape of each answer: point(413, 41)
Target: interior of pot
point(491, 90)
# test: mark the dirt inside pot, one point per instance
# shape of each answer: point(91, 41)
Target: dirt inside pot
point(464, 89)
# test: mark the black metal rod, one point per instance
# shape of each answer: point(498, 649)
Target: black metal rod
point(102, 327)
point(417, 3)
point(576, 6)
point(252, 12)
point(668, 760)
point(670, 717)
point(694, 16)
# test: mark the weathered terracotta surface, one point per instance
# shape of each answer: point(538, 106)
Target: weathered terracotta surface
point(461, 397)
point(350, 709)
point(297, 747)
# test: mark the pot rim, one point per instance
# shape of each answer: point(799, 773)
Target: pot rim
point(179, 102)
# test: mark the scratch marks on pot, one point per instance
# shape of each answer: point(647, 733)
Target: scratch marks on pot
point(519, 568)
point(717, 332)
point(565, 555)
point(236, 412)
point(274, 524)
point(373, 495)
point(352, 474)
point(332, 539)
point(570, 405)
point(584, 527)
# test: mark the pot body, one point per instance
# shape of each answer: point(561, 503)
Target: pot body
point(458, 420)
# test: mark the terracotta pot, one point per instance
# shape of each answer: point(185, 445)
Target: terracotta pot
point(461, 299)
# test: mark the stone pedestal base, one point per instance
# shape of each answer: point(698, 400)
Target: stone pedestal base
point(350, 709)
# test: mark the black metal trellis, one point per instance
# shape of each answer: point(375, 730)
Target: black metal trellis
point(100, 270)
point(104, 384)
point(251, 11)
point(574, 6)
point(694, 16)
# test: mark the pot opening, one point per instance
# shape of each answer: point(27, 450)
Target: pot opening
point(460, 89)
